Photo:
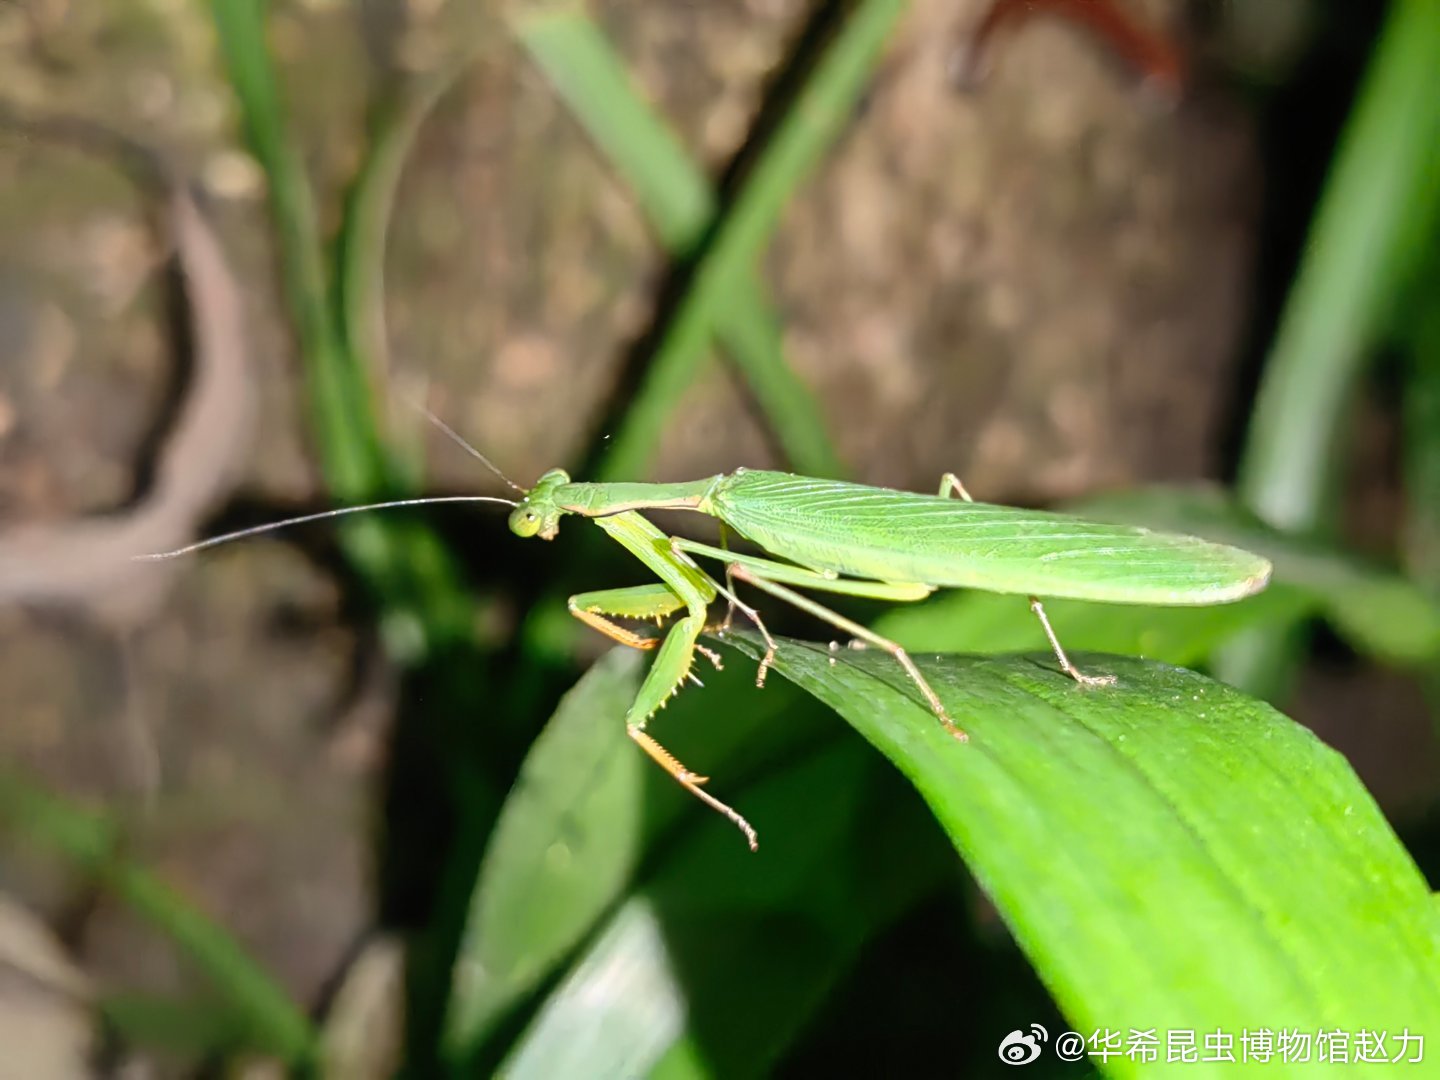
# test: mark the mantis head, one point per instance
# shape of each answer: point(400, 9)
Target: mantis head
point(538, 514)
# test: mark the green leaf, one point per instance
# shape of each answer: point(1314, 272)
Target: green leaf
point(566, 840)
point(587, 807)
point(722, 955)
point(1373, 224)
point(1167, 851)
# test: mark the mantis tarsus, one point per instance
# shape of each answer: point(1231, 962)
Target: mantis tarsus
point(850, 539)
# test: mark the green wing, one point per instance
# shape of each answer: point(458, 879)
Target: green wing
point(886, 535)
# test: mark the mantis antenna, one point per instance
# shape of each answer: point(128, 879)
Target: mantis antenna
point(459, 441)
point(256, 530)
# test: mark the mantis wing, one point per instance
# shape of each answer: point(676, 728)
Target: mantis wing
point(901, 536)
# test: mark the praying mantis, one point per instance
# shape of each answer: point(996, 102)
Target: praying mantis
point(846, 538)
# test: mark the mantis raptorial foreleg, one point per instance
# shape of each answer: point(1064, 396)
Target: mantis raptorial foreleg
point(689, 587)
point(637, 602)
point(670, 669)
point(950, 484)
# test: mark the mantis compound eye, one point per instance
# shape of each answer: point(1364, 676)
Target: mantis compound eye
point(525, 521)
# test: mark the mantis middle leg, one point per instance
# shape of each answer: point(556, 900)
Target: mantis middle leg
point(767, 575)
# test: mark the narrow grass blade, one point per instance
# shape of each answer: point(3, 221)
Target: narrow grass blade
point(404, 565)
point(339, 400)
point(263, 1016)
point(1374, 220)
point(811, 123)
point(1422, 432)
point(675, 196)
point(360, 252)
point(1362, 249)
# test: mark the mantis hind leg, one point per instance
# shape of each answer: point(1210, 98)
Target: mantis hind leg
point(1065, 664)
point(950, 483)
point(864, 633)
point(773, 571)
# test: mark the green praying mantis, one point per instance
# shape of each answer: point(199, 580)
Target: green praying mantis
point(837, 537)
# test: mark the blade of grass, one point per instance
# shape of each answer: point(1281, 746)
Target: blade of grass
point(423, 604)
point(1362, 249)
point(673, 193)
point(353, 458)
point(1422, 432)
point(264, 1015)
point(1421, 417)
point(810, 124)
point(196, 1028)
point(424, 608)
point(360, 254)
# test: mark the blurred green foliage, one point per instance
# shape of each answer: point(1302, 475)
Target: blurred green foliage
point(574, 912)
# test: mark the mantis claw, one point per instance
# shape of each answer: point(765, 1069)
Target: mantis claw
point(711, 655)
point(764, 669)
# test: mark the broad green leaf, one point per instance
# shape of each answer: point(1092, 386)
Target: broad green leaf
point(722, 955)
point(1168, 852)
point(588, 806)
point(567, 838)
